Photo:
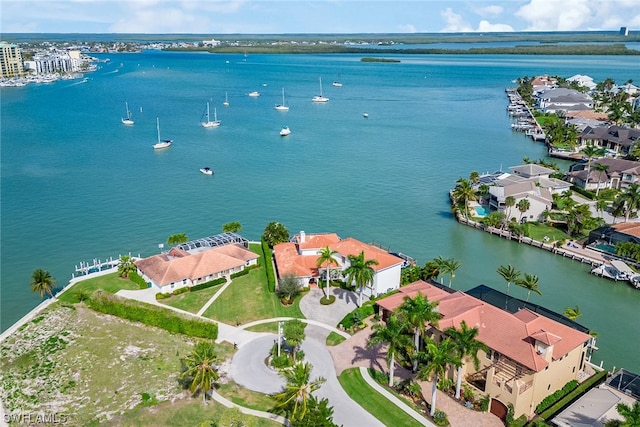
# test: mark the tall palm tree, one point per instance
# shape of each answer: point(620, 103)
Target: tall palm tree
point(326, 258)
point(440, 263)
point(126, 266)
point(393, 333)
point(592, 152)
point(523, 207)
point(449, 267)
point(176, 239)
point(466, 345)
point(360, 272)
point(200, 368)
point(464, 192)
point(297, 392)
point(509, 274)
point(438, 356)
point(417, 312)
point(530, 283)
point(630, 199)
point(42, 282)
point(601, 205)
point(509, 202)
point(572, 313)
point(631, 415)
point(602, 172)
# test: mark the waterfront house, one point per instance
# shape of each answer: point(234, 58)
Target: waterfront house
point(605, 238)
point(619, 174)
point(300, 255)
point(537, 190)
point(562, 99)
point(582, 80)
point(530, 355)
point(196, 262)
point(616, 139)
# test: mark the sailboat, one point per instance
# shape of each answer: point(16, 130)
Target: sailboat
point(282, 107)
point(320, 98)
point(164, 143)
point(209, 123)
point(127, 120)
point(226, 100)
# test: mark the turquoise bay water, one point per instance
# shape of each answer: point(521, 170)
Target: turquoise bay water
point(76, 184)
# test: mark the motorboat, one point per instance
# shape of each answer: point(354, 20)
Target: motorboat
point(206, 171)
point(254, 94)
point(285, 131)
point(365, 115)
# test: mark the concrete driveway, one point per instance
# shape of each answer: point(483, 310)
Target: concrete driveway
point(346, 302)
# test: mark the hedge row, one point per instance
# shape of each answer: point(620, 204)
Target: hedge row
point(571, 397)
point(548, 401)
point(136, 278)
point(245, 271)
point(268, 266)
point(152, 315)
point(206, 285)
point(363, 312)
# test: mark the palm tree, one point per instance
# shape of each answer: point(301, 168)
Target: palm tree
point(200, 368)
point(232, 227)
point(601, 205)
point(572, 313)
point(42, 282)
point(630, 199)
point(449, 267)
point(591, 151)
point(176, 239)
point(297, 392)
point(360, 272)
point(326, 258)
point(438, 357)
point(602, 171)
point(466, 345)
point(530, 283)
point(631, 415)
point(509, 202)
point(440, 263)
point(126, 266)
point(509, 274)
point(464, 192)
point(393, 333)
point(523, 207)
point(417, 312)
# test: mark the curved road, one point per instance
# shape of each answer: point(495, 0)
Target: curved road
point(249, 370)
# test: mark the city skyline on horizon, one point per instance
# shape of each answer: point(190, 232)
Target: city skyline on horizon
point(315, 17)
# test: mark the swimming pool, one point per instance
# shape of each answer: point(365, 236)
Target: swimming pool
point(605, 247)
point(481, 211)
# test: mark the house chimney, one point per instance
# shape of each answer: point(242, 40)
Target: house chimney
point(302, 237)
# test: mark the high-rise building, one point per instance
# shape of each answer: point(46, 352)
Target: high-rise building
point(10, 60)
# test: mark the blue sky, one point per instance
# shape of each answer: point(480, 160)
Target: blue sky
point(319, 16)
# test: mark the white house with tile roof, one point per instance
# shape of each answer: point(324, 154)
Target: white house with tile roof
point(299, 257)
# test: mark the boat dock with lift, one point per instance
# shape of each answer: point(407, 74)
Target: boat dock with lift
point(618, 271)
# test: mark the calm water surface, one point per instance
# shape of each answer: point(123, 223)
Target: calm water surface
point(76, 184)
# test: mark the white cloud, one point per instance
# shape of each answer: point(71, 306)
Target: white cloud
point(407, 28)
point(487, 27)
point(161, 20)
point(492, 10)
point(556, 15)
point(455, 22)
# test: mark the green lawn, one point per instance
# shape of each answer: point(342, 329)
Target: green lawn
point(372, 401)
point(539, 231)
point(248, 299)
point(244, 397)
point(265, 327)
point(335, 339)
point(111, 283)
point(192, 301)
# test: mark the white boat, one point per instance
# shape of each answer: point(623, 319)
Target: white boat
point(226, 100)
point(320, 98)
point(365, 115)
point(283, 106)
point(337, 83)
point(127, 120)
point(254, 94)
point(209, 123)
point(285, 131)
point(162, 143)
point(206, 171)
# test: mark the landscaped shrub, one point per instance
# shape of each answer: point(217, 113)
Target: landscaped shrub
point(554, 397)
point(244, 271)
point(152, 315)
point(328, 300)
point(206, 285)
point(484, 403)
point(586, 193)
point(181, 290)
point(440, 418)
point(161, 295)
point(136, 278)
point(363, 312)
point(281, 362)
point(268, 266)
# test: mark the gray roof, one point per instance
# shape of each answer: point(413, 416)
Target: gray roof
point(614, 134)
point(531, 170)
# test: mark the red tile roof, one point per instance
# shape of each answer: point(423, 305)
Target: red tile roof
point(289, 261)
point(177, 265)
point(351, 246)
point(512, 335)
point(317, 241)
